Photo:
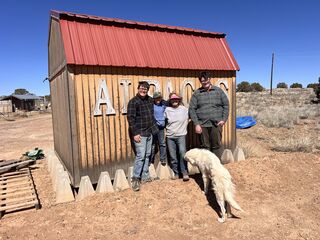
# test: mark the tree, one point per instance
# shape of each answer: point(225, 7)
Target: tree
point(48, 98)
point(21, 91)
point(312, 85)
point(316, 88)
point(296, 85)
point(256, 87)
point(282, 85)
point(244, 87)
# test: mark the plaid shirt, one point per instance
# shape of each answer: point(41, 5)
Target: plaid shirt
point(207, 108)
point(141, 116)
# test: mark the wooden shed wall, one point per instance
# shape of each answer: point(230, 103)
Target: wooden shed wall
point(56, 53)
point(61, 104)
point(104, 143)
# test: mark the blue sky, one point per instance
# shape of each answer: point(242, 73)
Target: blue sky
point(255, 29)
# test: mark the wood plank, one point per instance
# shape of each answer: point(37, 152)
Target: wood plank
point(81, 120)
point(87, 118)
point(14, 173)
point(67, 158)
point(18, 205)
point(7, 162)
point(15, 184)
point(16, 200)
point(123, 117)
point(111, 119)
point(60, 116)
point(19, 193)
point(13, 176)
point(12, 190)
point(6, 181)
point(54, 92)
point(94, 119)
point(117, 118)
point(74, 171)
point(234, 114)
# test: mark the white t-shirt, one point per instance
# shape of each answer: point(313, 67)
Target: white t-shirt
point(177, 121)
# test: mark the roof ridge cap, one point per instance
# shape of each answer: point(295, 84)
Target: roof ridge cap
point(59, 14)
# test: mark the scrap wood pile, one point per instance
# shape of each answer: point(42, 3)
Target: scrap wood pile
point(26, 159)
point(17, 189)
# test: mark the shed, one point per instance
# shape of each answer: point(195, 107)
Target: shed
point(95, 64)
point(25, 102)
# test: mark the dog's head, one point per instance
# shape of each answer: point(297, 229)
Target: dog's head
point(190, 156)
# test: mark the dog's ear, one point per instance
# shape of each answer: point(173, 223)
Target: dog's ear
point(190, 160)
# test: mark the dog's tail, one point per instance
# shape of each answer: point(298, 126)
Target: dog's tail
point(230, 199)
point(227, 187)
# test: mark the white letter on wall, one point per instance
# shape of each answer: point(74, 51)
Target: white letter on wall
point(106, 100)
point(183, 86)
point(125, 83)
point(225, 84)
point(155, 83)
point(169, 89)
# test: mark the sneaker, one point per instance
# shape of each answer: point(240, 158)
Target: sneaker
point(146, 180)
point(185, 177)
point(135, 185)
point(175, 177)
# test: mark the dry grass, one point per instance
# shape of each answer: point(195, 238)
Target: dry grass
point(286, 117)
point(303, 144)
point(250, 150)
point(277, 117)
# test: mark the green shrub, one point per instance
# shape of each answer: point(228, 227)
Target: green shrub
point(296, 85)
point(244, 87)
point(316, 88)
point(312, 85)
point(282, 85)
point(256, 87)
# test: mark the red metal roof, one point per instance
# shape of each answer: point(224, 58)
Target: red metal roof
point(90, 40)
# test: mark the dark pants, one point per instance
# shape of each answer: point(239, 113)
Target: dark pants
point(159, 141)
point(211, 138)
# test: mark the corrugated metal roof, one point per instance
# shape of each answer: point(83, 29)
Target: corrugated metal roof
point(25, 96)
point(90, 40)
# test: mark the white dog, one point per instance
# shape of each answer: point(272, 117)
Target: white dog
point(210, 167)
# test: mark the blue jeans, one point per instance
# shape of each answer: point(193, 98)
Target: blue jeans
point(174, 144)
point(141, 162)
point(158, 139)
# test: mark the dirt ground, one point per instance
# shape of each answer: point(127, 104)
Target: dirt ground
point(278, 191)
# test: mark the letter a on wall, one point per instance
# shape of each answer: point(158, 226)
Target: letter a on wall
point(103, 88)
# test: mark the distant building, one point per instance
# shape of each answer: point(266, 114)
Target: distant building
point(26, 102)
point(5, 105)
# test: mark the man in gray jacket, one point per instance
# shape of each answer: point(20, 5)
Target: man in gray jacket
point(209, 110)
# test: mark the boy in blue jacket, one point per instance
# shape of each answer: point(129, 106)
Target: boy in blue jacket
point(159, 138)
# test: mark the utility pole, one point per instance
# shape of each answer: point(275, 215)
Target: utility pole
point(271, 74)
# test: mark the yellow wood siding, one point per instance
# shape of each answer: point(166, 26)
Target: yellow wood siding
point(104, 143)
